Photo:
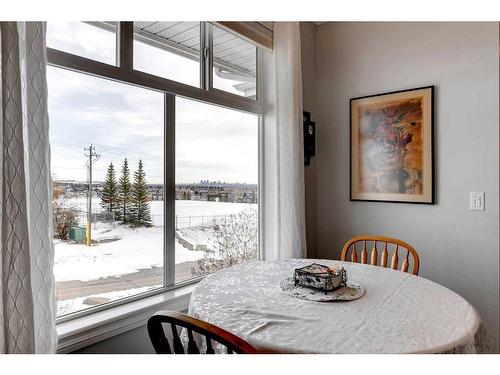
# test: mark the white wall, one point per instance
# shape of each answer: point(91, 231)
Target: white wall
point(458, 247)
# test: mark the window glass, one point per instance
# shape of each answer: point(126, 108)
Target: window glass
point(107, 163)
point(234, 64)
point(96, 41)
point(216, 211)
point(115, 248)
point(169, 50)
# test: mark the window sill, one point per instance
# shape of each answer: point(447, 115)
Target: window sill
point(87, 330)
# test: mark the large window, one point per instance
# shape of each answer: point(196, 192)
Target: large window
point(103, 244)
point(150, 190)
point(216, 207)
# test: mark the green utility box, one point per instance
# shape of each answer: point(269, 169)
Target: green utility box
point(77, 234)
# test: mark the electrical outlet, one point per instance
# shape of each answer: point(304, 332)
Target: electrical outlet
point(477, 200)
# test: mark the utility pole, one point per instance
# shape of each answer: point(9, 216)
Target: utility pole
point(93, 157)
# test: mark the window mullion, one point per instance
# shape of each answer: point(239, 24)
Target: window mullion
point(72, 62)
point(260, 188)
point(169, 191)
point(260, 77)
point(203, 59)
point(206, 54)
point(210, 57)
point(125, 46)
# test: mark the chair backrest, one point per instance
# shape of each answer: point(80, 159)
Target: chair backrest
point(233, 343)
point(384, 243)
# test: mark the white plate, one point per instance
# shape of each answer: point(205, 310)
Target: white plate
point(346, 293)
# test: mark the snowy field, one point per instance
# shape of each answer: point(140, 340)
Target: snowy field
point(128, 251)
point(122, 250)
point(119, 249)
point(198, 210)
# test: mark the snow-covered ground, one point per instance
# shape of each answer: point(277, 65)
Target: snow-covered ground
point(188, 213)
point(128, 251)
point(196, 213)
point(121, 249)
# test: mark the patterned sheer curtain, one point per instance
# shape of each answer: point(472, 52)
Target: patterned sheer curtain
point(284, 197)
point(27, 301)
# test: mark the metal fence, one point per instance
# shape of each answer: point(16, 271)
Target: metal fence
point(181, 222)
point(186, 222)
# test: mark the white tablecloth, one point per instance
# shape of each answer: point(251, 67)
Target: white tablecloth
point(399, 313)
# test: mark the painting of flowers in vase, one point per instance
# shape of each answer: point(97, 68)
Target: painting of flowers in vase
point(392, 147)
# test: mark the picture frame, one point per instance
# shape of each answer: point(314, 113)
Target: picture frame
point(392, 147)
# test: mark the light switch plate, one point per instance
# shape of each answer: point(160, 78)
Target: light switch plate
point(477, 200)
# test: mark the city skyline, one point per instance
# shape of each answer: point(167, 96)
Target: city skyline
point(201, 182)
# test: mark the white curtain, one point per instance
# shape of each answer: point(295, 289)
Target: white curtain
point(284, 201)
point(27, 301)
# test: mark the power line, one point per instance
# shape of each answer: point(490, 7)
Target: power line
point(110, 149)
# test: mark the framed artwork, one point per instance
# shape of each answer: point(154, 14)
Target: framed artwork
point(392, 147)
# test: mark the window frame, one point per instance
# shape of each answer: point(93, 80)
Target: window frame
point(210, 29)
point(123, 71)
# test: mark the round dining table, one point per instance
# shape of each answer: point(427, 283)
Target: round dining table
point(398, 313)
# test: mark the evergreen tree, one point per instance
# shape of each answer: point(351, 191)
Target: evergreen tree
point(125, 193)
point(140, 210)
point(109, 197)
point(186, 195)
point(254, 197)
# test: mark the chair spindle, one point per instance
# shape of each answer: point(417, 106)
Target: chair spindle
point(364, 254)
point(178, 348)
point(192, 347)
point(374, 255)
point(404, 265)
point(354, 255)
point(210, 349)
point(395, 259)
point(385, 254)
point(160, 341)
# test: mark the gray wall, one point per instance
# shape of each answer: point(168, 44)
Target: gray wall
point(135, 341)
point(458, 247)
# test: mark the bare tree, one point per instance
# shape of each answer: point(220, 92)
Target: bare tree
point(63, 219)
point(57, 192)
point(237, 242)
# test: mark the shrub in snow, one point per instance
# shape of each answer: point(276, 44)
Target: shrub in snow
point(63, 218)
point(236, 240)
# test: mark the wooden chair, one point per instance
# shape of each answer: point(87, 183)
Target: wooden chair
point(233, 343)
point(377, 242)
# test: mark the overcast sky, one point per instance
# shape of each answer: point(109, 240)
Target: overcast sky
point(125, 121)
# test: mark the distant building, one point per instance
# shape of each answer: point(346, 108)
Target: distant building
point(204, 190)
